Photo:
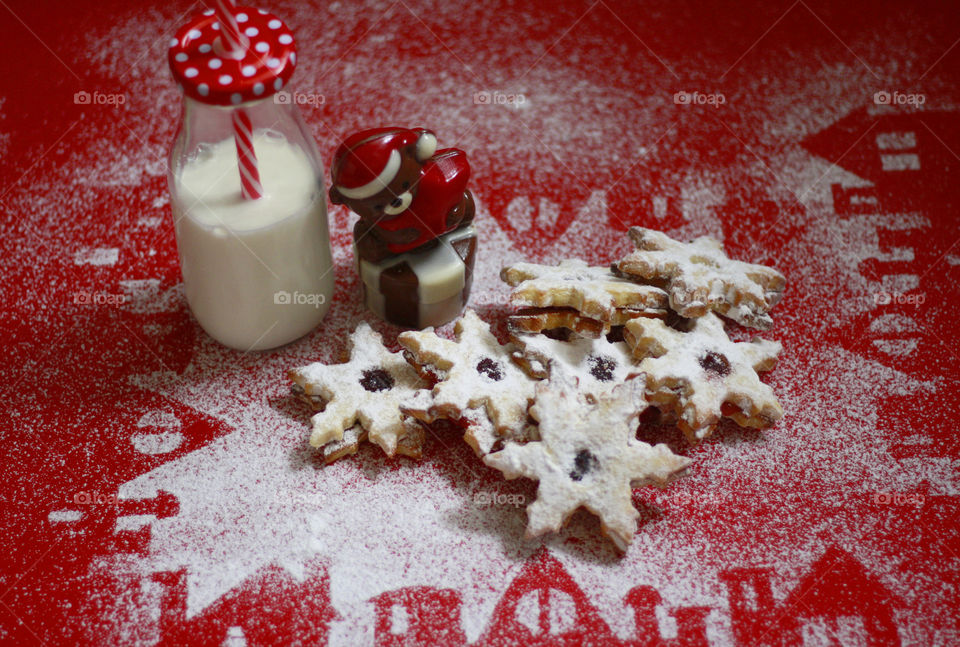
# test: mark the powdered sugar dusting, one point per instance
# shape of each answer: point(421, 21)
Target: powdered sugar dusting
point(597, 146)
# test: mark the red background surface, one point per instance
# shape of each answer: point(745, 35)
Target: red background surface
point(847, 532)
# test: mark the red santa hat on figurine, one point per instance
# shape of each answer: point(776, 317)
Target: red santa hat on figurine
point(368, 161)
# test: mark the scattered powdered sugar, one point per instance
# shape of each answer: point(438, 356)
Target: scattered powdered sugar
point(98, 256)
point(247, 501)
point(254, 498)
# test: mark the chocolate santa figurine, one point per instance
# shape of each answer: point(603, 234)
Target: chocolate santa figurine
point(415, 243)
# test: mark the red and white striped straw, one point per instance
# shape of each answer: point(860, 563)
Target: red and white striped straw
point(234, 42)
point(249, 174)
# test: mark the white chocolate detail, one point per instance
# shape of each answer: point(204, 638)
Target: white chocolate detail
point(426, 146)
point(377, 184)
point(405, 199)
point(441, 277)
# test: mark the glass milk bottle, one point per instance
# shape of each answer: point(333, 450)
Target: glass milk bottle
point(246, 184)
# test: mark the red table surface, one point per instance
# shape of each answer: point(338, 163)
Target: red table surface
point(158, 488)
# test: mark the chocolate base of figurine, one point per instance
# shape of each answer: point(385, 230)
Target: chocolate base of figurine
point(426, 287)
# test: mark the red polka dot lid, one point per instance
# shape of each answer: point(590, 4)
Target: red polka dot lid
point(205, 70)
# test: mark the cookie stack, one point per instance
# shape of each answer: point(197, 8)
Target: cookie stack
point(591, 348)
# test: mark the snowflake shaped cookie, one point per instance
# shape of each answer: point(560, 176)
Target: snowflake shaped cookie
point(702, 375)
point(366, 390)
point(473, 372)
point(700, 277)
point(594, 292)
point(411, 444)
point(597, 365)
point(588, 456)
